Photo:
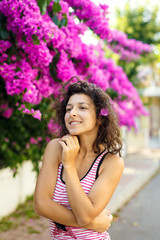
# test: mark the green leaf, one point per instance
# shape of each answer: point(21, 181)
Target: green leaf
point(24, 38)
point(55, 20)
point(35, 39)
point(42, 5)
point(4, 34)
point(112, 93)
point(44, 40)
point(56, 7)
point(63, 22)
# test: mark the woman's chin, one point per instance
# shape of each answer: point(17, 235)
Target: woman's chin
point(74, 132)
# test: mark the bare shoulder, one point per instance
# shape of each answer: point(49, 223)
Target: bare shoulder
point(54, 143)
point(114, 159)
point(113, 163)
point(53, 151)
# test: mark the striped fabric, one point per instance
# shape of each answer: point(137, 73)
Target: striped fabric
point(60, 196)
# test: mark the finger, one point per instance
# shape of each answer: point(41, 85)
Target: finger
point(63, 144)
point(64, 139)
point(69, 141)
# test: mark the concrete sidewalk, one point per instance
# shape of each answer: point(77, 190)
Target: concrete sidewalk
point(140, 167)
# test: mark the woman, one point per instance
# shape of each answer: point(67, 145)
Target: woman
point(81, 170)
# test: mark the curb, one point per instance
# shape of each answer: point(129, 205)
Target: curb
point(133, 179)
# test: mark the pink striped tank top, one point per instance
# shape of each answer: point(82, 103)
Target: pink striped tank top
point(60, 232)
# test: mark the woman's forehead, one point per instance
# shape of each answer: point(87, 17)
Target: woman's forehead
point(80, 98)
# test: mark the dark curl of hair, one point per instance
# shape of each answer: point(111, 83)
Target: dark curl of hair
point(109, 131)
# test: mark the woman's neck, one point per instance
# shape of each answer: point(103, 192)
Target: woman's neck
point(86, 143)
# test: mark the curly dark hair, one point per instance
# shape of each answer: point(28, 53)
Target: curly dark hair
point(109, 131)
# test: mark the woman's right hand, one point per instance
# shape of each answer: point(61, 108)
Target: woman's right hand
point(102, 222)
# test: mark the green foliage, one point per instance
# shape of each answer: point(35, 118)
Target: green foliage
point(56, 7)
point(113, 94)
point(30, 229)
point(35, 39)
point(140, 23)
point(17, 131)
point(4, 34)
point(43, 5)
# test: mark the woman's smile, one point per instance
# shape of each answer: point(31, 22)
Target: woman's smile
point(75, 123)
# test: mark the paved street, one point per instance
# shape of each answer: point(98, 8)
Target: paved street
point(140, 218)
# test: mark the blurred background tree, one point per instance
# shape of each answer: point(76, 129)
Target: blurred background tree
point(139, 22)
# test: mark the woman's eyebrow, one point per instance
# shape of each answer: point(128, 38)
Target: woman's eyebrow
point(69, 104)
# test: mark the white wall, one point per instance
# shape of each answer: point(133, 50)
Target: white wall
point(15, 190)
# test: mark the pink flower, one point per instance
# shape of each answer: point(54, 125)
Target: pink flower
point(4, 106)
point(53, 127)
point(32, 110)
point(8, 113)
point(33, 140)
point(13, 58)
point(39, 139)
point(104, 112)
point(47, 139)
point(27, 111)
point(37, 114)
point(27, 145)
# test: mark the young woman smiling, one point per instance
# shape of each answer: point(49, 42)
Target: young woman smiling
point(81, 170)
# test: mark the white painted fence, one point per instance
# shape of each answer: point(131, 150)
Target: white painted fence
point(14, 191)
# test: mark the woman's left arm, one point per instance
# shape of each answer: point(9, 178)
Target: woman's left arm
point(86, 208)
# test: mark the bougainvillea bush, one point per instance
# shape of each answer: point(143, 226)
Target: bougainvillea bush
point(41, 47)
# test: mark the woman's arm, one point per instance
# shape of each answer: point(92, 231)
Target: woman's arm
point(43, 203)
point(46, 207)
point(86, 208)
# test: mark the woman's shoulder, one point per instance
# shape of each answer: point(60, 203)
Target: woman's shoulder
point(53, 142)
point(114, 161)
point(53, 148)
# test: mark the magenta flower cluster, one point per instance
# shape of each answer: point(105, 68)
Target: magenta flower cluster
point(40, 44)
point(129, 49)
point(94, 16)
point(35, 113)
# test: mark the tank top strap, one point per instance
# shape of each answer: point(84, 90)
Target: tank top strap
point(93, 171)
point(98, 162)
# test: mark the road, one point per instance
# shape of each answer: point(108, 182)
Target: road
point(140, 218)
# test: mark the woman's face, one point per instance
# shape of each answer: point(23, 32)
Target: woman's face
point(80, 115)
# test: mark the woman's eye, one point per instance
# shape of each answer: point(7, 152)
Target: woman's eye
point(68, 109)
point(83, 108)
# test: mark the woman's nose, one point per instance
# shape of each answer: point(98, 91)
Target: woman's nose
point(73, 112)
